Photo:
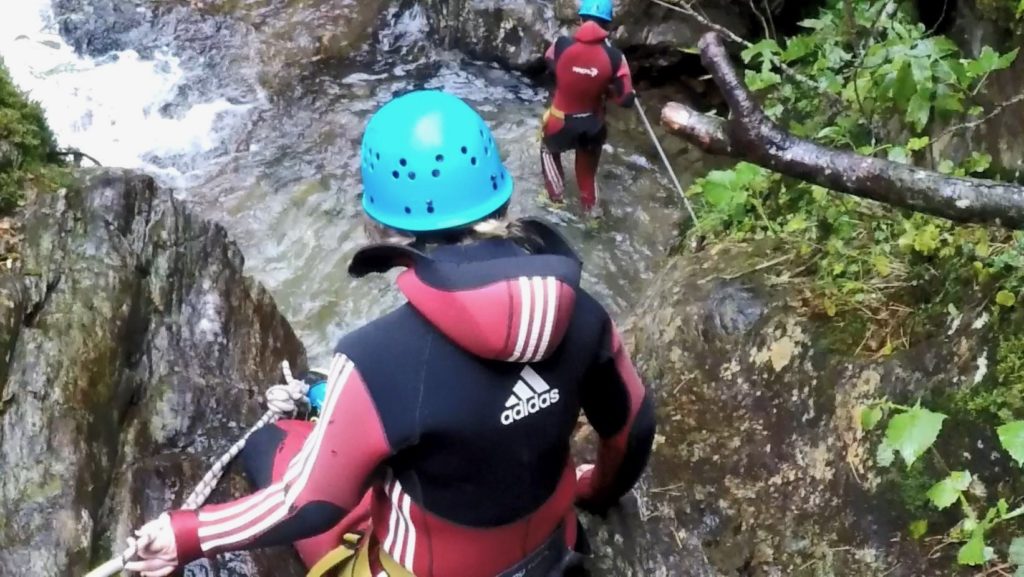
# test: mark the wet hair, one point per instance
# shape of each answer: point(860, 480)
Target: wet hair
point(495, 225)
point(599, 21)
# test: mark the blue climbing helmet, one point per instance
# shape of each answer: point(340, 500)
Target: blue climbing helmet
point(597, 8)
point(430, 163)
point(317, 393)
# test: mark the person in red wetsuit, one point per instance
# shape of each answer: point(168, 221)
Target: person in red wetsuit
point(442, 444)
point(588, 69)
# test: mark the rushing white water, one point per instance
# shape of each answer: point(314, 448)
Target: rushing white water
point(281, 172)
point(111, 107)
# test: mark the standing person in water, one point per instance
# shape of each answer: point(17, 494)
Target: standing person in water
point(442, 447)
point(588, 70)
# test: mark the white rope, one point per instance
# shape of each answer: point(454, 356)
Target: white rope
point(281, 400)
point(668, 165)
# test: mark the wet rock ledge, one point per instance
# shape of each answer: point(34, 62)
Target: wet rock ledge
point(760, 468)
point(133, 351)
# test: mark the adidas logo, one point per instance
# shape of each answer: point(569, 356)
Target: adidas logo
point(530, 395)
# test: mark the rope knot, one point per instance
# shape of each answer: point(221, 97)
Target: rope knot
point(284, 399)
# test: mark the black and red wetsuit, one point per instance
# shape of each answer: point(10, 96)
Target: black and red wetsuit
point(588, 69)
point(446, 427)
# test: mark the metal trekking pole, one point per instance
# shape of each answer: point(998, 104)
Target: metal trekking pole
point(668, 166)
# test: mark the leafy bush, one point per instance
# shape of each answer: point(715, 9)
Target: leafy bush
point(27, 146)
point(882, 85)
point(880, 91)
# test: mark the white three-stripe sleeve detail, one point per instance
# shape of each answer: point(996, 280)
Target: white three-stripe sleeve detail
point(524, 317)
point(294, 467)
point(551, 290)
point(537, 318)
point(410, 546)
point(335, 385)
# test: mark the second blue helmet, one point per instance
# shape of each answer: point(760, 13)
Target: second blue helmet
point(430, 163)
point(602, 9)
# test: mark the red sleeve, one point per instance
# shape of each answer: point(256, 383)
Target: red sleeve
point(622, 85)
point(325, 480)
point(619, 408)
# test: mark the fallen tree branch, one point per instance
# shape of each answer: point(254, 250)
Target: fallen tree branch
point(750, 135)
point(999, 109)
point(78, 156)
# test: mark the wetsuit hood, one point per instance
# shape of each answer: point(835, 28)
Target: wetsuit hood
point(591, 32)
point(492, 297)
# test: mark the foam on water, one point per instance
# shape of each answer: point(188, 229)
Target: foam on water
point(111, 107)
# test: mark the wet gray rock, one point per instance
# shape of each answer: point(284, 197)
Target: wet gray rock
point(134, 351)
point(516, 33)
point(975, 25)
point(760, 467)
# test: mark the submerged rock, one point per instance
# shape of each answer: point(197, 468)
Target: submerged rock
point(760, 467)
point(135, 352)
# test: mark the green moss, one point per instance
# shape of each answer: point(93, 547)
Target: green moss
point(1002, 395)
point(27, 145)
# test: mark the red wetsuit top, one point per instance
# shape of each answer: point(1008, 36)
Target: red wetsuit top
point(455, 411)
point(588, 69)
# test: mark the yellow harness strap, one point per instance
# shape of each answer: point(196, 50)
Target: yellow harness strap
point(551, 111)
point(351, 560)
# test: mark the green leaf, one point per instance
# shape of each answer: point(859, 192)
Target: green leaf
point(882, 264)
point(1011, 435)
point(1017, 551)
point(948, 101)
point(948, 491)
point(913, 432)
point(974, 552)
point(920, 143)
point(884, 454)
point(898, 154)
point(1007, 59)
point(869, 417)
point(926, 239)
point(984, 63)
point(1005, 298)
point(918, 528)
point(760, 80)
point(905, 87)
point(919, 109)
point(798, 47)
point(765, 49)
point(797, 223)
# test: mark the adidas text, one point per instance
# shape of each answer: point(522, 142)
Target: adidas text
point(529, 407)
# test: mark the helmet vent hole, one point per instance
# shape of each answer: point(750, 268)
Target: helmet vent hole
point(464, 150)
point(430, 206)
point(408, 210)
point(412, 176)
point(394, 173)
point(472, 160)
point(378, 156)
point(494, 185)
point(439, 158)
point(436, 173)
point(487, 151)
point(403, 162)
point(371, 200)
